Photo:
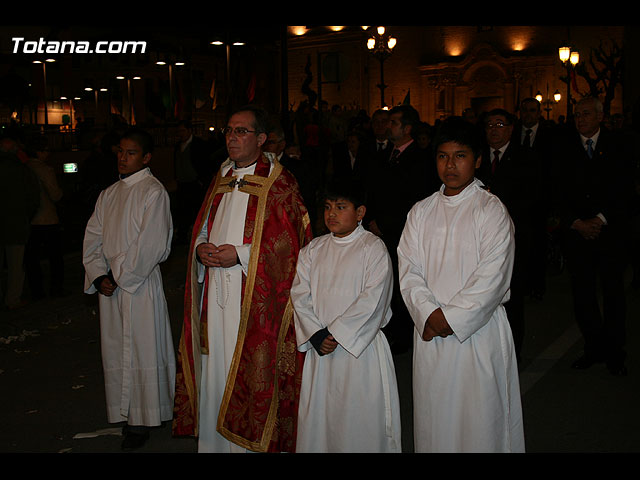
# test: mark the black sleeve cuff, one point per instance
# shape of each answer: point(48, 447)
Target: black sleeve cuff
point(98, 281)
point(317, 339)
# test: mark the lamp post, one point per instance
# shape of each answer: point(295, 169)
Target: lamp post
point(548, 101)
point(570, 59)
point(95, 87)
point(381, 46)
point(228, 44)
point(44, 80)
point(130, 116)
point(164, 60)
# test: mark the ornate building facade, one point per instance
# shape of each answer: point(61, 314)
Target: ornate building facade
point(442, 70)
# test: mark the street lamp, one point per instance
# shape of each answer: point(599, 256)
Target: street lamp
point(381, 46)
point(570, 58)
point(548, 102)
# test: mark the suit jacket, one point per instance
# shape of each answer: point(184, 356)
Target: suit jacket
point(301, 171)
point(397, 186)
point(200, 160)
point(342, 167)
point(542, 149)
point(516, 182)
point(542, 142)
point(584, 187)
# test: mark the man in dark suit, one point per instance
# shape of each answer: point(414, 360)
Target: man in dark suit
point(533, 133)
point(353, 160)
point(379, 145)
point(193, 170)
point(276, 143)
point(508, 171)
point(594, 190)
point(376, 147)
point(400, 180)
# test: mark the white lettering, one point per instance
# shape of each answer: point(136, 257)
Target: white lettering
point(135, 45)
point(53, 47)
point(83, 47)
point(30, 47)
point(68, 43)
point(16, 41)
point(20, 45)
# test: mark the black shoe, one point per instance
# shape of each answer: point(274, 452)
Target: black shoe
point(133, 440)
point(584, 362)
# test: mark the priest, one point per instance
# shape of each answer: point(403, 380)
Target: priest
point(238, 379)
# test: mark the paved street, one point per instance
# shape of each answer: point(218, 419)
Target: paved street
point(53, 395)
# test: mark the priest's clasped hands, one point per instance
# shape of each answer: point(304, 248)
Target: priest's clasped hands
point(210, 255)
point(437, 326)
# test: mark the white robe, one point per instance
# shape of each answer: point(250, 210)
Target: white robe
point(349, 398)
point(130, 233)
point(456, 253)
point(223, 315)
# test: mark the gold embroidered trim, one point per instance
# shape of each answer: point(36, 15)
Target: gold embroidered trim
point(196, 340)
point(261, 190)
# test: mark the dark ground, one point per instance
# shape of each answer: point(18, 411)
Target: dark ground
point(52, 389)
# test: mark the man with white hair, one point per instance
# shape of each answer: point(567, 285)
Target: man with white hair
point(593, 190)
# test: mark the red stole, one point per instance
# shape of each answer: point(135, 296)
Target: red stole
point(259, 407)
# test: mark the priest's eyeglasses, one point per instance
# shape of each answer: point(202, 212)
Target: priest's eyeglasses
point(239, 131)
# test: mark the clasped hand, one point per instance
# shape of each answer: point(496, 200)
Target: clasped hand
point(210, 255)
point(107, 287)
point(589, 229)
point(437, 326)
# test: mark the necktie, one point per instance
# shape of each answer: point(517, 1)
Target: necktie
point(394, 156)
point(527, 138)
point(380, 145)
point(590, 148)
point(494, 163)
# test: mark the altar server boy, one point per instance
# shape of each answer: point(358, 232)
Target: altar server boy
point(341, 295)
point(126, 238)
point(455, 261)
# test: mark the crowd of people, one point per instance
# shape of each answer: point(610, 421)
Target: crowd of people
point(320, 248)
point(29, 222)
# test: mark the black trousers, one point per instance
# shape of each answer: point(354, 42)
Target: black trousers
point(597, 266)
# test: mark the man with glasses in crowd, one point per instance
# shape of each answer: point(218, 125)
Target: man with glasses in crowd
point(238, 380)
point(508, 170)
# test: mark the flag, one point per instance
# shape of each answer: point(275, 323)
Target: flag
point(251, 89)
point(574, 83)
point(213, 93)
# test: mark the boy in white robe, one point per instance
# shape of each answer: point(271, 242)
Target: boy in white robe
point(341, 295)
point(455, 262)
point(126, 238)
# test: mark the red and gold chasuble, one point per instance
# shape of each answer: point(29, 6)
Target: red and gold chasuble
point(260, 404)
